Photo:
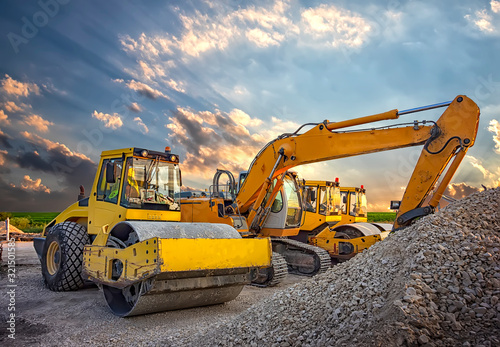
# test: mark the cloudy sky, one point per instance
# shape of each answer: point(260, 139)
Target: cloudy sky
point(216, 80)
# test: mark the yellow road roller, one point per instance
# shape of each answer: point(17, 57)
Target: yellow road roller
point(128, 239)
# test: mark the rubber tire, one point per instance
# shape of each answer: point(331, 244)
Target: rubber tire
point(71, 238)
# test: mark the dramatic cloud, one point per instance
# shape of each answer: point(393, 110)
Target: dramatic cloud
point(56, 147)
point(113, 121)
point(36, 185)
point(11, 86)
point(491, 177)
point(145, 90)
point(4, 140)
point(177, 86)
point(3, 156)
point(495, 129)
point(261, 26)
point(486, 20)
point(37, 122)
point(335, 27)
point(144, 129)
point(460, 190)
point(222, 140)
point(135, 107)
point(495, 6)
point(4, 119)
point(211, 141)
point(11, 106)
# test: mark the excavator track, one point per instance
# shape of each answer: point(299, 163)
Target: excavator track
point(302, 259)
point(271, 276)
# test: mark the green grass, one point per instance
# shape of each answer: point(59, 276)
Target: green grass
point(36, 217)
point(37, 220)
point(379, 217)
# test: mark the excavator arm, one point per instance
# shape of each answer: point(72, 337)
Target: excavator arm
point(445, 140)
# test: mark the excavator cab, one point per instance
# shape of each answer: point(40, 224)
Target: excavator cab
point(286, 209)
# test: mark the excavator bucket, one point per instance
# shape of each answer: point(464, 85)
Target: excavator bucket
point(151, 267)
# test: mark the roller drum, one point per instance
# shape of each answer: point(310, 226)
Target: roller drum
point(173, 291)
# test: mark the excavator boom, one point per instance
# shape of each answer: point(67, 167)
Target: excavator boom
point(447, 138)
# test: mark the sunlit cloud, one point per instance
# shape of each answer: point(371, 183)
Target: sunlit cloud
point(495, 6)
point(460, 190)
point(37, 122)
point(486, 20)
point(4, 119)
point(494, 128)
point(335, 27)
point(135, 107)
point(53, 146)
point(11, 106)
point(3, 157)
point(260, 26)
point(491, 177)
point(34, 185)
point(113, 121)
point(17, 88)
point(143, 128)
point(143, 89)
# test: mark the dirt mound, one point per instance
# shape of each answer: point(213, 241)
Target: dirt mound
point(436, 283)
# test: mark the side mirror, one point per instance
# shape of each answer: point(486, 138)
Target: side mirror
point(110, 172)
point(395, 205)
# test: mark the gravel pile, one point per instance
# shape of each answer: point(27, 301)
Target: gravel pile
point(436, 283)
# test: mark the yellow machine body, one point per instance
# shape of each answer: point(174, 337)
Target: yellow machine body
point(141, 253)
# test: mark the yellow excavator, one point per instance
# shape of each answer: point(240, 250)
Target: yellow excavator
point(349, 232)
point(266, 202)
point(127, 238)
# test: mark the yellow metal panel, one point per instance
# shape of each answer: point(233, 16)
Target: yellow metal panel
point(203, 254)
point(279, 232)
point(153, 256)
point(137, 214)
point(198, 210)
point(140, 261)
point(73, 212)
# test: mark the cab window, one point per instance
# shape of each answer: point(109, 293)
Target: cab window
point(109, 191)
point(310, 199)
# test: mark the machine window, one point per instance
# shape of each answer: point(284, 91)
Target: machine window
point(353, 210)
point(343, 202)
point(277, 205)
point(323, 200)
point(294, 211)
point(311, 199)
point(109, 191)
point(151, 184)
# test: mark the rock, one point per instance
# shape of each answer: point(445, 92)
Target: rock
point(423, 339)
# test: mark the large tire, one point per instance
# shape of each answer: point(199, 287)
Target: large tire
point(62, 257)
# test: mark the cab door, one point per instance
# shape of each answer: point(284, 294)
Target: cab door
point(104, 207)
